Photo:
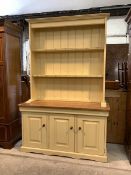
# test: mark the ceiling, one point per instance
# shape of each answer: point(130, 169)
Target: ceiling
point(13, 7)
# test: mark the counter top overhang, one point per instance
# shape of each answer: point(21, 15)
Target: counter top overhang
point(65, 105)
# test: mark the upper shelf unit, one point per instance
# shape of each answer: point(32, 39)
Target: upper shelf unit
point(68, 56)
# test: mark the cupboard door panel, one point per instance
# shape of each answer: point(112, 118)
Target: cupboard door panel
point(62, 132)
point(90, 135)
point(2, 105)
point(36, 131)
point(1, 48)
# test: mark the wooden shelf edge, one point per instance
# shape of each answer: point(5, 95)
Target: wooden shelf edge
point(66, 104)
point(66, 76)
point(68, 50)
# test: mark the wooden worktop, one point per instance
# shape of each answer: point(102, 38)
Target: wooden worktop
point(65, 104)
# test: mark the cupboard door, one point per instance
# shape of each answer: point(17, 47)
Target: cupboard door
point(90, 135)
point(62, 132)
point(1, 48)
point(112, 119)
point(116, 119)
point(2, 89)
point(35, 130)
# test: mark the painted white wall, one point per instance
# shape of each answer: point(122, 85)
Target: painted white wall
point(12, 7)
point(117, 30)
point(25, 60)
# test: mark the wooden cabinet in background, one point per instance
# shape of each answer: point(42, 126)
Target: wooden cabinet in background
point(116, 122)
point(1, 47)
point(2, 95)
point(10, 83)
point(128, 109)
point(25, 86)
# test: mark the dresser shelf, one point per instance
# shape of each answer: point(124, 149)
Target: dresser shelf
point(67, 50)
point(67, 76)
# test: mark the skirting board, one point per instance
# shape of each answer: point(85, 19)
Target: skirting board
point(67, 154)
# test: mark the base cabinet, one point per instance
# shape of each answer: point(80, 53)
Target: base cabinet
point(73, 135)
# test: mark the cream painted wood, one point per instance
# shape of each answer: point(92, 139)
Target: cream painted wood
point(68, 23)
point(57, 64)
point(75, 155)
point(68, 38)
point(103, 103)
point(67, 56)
point(66, 53)
point(35, 130)
point(62, 132)
point(90, 135)
point(70, 89)
point(89, 142)
point(84, 112)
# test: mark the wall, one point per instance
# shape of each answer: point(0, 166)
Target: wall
point(32, 6)
point(117, 46)
point(25, 60)
point(117, 30)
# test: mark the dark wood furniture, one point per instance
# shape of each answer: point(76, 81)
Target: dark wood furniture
point(10, 83)
point(25, 86)
point(117, 115)
point(128, 117)
point(116, 53)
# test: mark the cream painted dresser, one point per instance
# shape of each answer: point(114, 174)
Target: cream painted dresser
point(67, 113)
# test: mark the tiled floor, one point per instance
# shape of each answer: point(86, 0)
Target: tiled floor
point(116, 156)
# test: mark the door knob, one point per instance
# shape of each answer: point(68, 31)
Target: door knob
point(43, 125)
point(71, 127)
point(79, 128)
